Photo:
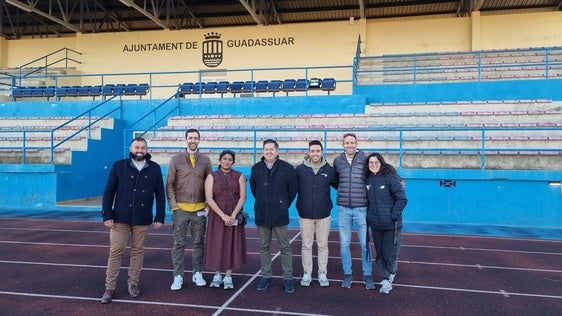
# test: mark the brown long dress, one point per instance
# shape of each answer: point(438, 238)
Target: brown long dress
point(225, 246)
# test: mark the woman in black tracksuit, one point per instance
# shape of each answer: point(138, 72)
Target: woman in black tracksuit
point(387, 199)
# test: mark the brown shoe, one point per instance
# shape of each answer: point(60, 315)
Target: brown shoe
point(107, 296)
point(134, 290)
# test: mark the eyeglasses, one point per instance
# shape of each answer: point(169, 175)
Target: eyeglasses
point(350, 134)
point(374, 163)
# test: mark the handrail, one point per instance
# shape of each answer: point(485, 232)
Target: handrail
point(128, 130)
point(480, 146)
point(471, 66)
point(159, 80)
point(88, 127)
point(47, 64)
point(356, 59)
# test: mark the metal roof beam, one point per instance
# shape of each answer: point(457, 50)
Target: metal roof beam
point(154, 17)
point(361, 9)
point(252, 11)
point(30, 7)
point(477, 5)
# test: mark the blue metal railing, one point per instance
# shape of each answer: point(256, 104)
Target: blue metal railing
point(164, 83)
point(54, 141)
point(508, 64)
point(480, 143)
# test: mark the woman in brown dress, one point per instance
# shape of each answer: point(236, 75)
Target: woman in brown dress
point(225, 249)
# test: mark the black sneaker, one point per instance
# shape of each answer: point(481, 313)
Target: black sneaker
point(264, 284)
point(289, 287)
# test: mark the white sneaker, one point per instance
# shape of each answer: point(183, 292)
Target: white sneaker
point(391, 277)
point(217, 280)
point(178, 281)
point(228, 282)
point(306, 279)
point(386, 286)
point(323, 280)
point(198, 279)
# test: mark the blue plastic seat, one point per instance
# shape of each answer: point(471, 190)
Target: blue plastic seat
point(197, 88)
point(108, 89)
point(72, 91)
point(83, 91)
point(274, 86)
point(301, 85)
point(236, 87)
point(248, 86)
point(289, 85)
point(223, 87)
point(185, 88)
point(142, 89)
point(261, 86)
point(210, 87)
point(49, 91)
point(130, 89)
point(119, 89)
point(328, 84)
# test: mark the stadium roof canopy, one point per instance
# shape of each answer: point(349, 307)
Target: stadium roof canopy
point(58, 18)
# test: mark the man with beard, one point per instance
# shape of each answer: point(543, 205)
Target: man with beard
point(185, 188)
point(132, 186)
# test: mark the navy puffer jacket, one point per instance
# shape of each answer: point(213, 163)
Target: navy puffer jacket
point(387, 200)
point(351, 188)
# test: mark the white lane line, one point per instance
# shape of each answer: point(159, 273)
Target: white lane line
point(485, 249)
point(82, 298)
point(503, 293)
point(247, 284)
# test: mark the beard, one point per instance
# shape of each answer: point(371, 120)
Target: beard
point(138, 156)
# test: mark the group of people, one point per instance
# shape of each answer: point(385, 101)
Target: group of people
point(370, 197)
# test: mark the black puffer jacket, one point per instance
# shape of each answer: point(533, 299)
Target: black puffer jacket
point(351, 188)
point(387, 200)
point(274, 191)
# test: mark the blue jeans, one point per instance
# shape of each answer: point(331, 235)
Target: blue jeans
point(348, 218)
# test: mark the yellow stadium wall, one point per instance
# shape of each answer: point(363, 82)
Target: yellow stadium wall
point(312, 44)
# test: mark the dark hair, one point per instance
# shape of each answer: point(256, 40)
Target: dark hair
point(228, 152)
point(386, 168)
point(139, 139)
point(270, 141)
point(315, 142)
point(192, 130)
point(350, 134)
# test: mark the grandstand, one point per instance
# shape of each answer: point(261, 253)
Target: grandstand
point(464, 125)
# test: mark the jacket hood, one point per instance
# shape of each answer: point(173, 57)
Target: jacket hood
point(307, 162)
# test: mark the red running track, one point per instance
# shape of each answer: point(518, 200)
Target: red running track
point(57, 267)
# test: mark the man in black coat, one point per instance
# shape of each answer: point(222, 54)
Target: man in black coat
point(274, 186)
point(132, 187)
